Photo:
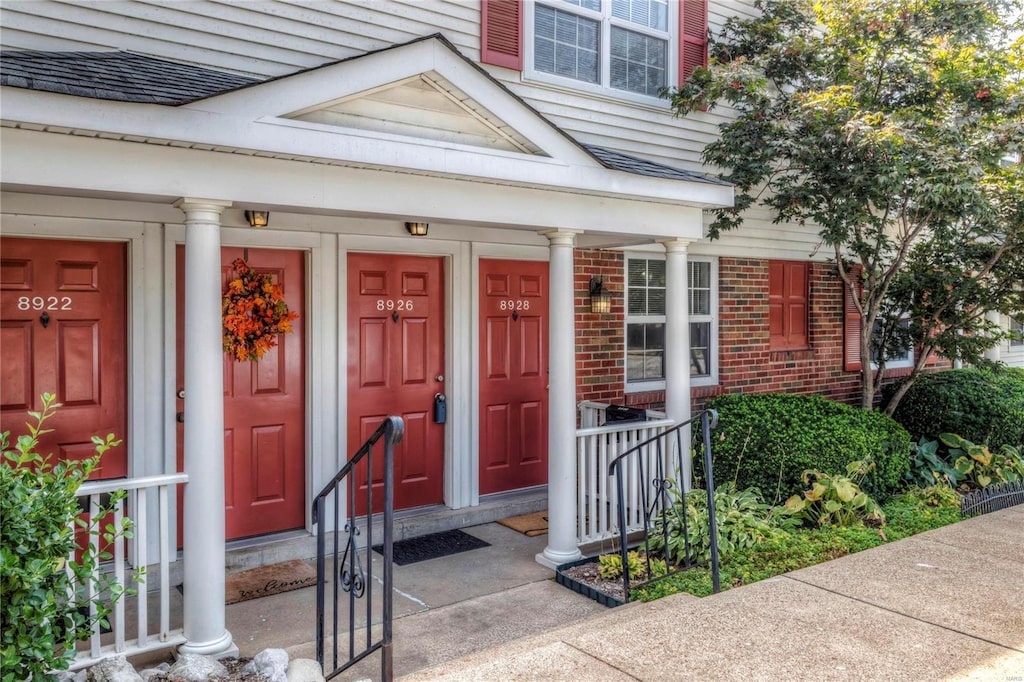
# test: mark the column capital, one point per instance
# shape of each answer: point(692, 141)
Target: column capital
point(192, 204)
point(561, 237)
point(675, 245)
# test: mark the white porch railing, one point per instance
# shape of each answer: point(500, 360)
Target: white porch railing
point(143, 494)
point(597, 444)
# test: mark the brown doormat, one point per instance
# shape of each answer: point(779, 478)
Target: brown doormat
point(267, 580)
point(530, 525)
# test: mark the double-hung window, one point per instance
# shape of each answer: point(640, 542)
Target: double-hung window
point(896, 357)
point(646, 343)
point(623, 45)
point(1017, 328)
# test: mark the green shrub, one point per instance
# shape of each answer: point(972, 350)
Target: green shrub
point(836, 500)
point(610, 566)
point(767, 441)
point(39, 511)
point(984, 406)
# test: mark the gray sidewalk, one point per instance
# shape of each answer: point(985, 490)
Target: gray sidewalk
point(947, 604)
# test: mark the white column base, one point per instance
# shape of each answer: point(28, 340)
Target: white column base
point(222, 647)
point(555, 559)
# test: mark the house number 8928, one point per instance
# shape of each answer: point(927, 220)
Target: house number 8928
point(44, 303)
point(517, 304)
point(392, 304)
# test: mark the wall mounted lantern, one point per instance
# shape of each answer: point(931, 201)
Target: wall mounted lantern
point(417, 229)
point(600, 298)
point(258, 218)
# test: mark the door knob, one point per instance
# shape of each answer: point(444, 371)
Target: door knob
point(439, 377)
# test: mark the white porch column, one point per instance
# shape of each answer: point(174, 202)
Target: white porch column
point(993, 353)
point(203, 535)
point(562, 547)
point(677, 345)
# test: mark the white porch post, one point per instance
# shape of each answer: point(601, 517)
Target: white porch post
point(677, 345)
point(203, 535)
point(562, 547)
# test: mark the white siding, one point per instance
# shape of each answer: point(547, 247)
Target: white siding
point(265, 38)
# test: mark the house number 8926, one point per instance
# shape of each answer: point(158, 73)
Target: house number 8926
point(393, 304)
point(44, 303)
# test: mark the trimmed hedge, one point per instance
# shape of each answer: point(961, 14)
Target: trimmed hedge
point(981, 405)
point(767, 440)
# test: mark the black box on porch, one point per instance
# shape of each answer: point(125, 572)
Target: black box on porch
point(622, 413)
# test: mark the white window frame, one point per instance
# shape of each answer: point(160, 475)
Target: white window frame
point(906, 362)
point(711, 379)
point(1015, 324)
point(606, 21)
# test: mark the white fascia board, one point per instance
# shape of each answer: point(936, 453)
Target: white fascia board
point(226, 131)
point(327, 84)
point(76, 165)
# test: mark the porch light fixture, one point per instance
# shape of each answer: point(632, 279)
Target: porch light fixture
point(417, 229)
point(600, 298)
point(257, 218)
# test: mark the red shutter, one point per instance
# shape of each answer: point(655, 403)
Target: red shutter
point(787, 305)
point(501, 33)
point(851, 333)
point(693, 36)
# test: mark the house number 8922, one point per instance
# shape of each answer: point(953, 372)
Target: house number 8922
point(44, 303)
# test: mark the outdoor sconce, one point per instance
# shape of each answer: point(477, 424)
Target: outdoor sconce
point(258, 218)
point(600, 298)
point(417, 229)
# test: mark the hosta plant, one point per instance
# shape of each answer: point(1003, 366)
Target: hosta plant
point(928, 468)
point(980, 466)
point(835, 500)
point(641, 566)
point(46, 569)
point(742, 520)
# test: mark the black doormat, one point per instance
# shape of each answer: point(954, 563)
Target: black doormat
point(432, 546)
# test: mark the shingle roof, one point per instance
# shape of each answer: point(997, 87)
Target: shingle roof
point(631, 164)
point(129, 77)
point(121, 76)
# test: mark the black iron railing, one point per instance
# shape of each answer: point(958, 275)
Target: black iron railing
point(658, 467)
point(992, 498)
point(348, 576)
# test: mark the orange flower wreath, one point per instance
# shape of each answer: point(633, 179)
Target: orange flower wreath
point(254, 313)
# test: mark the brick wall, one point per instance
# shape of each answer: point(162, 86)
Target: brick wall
point(746, 364)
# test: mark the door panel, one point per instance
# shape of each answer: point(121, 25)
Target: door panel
point(64, 331)
point(513, 375)
point(264, 410)
point(396, 354)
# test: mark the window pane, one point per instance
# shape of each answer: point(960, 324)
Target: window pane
point(656, 273)
point(637, 272)
point(700, 348)
point(634, 366)
point(645, 61)
point(650, 13)
point(634, 337)
point(655, 334)
point(655, 301)
point(637, 302)
point(654, 366)
point(594, 5)
point(565, 44)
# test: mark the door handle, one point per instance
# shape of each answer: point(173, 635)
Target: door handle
point(440, 409)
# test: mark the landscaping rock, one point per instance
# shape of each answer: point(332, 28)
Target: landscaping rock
point(114, 669)
point(153, 672)
point(305, 670)
point(271, 663)
point(196, 668)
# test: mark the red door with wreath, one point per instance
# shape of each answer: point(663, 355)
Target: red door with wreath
point(264, 409)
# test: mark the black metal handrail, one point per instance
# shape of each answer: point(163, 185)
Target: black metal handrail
point(349, 575)
point(655, 499)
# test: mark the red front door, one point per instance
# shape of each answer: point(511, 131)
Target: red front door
point(513, 374)
point(396, 366)
point(63, 331)
point(264, 410)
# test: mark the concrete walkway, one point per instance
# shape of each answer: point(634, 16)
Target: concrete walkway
point(947, 604)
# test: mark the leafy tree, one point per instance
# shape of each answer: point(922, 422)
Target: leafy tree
point(887, 124)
